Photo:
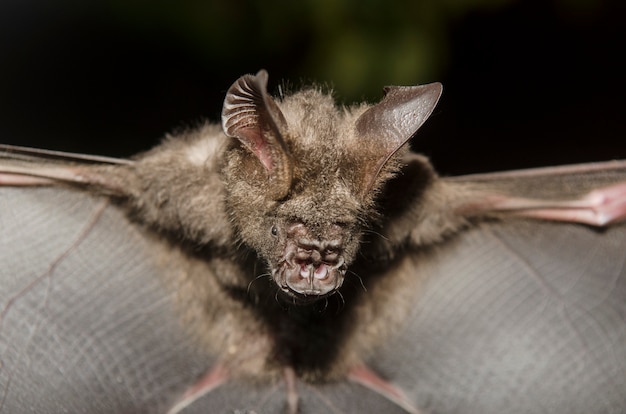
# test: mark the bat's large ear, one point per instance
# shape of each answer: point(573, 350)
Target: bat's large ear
point(394, 120)
point(251, 115)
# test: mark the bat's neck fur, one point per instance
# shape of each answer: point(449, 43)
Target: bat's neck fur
point(320, 340)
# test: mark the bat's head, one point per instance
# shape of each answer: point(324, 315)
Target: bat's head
point(303, 175)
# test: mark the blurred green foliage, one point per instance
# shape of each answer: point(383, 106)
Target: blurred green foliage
point(359, 44)
point(127, 70)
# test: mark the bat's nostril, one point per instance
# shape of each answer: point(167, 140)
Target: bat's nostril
point(321, 272)
point(305, 271)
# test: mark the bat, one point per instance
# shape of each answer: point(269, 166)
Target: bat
point(300, 258)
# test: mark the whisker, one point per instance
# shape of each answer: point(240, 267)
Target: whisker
point(262, 275)
point(382, 236)
point(343, 302)
point(360, 280)
point(325, 305)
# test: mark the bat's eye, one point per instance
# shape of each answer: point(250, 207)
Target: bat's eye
point(274, 231)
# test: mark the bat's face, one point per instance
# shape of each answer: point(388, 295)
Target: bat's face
point(302, 175)
point(309, 238)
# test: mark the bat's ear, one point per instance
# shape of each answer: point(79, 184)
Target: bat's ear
point(251, 115)
point(394, 120)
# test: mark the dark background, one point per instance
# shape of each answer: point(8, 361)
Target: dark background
point(526, 83)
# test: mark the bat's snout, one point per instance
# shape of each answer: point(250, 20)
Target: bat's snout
point(310, 265)
point(312, 280)
point(311, 269)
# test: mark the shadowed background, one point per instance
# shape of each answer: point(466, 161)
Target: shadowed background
point(526, 83)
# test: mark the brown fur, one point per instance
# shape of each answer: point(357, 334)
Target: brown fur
point(229, 201)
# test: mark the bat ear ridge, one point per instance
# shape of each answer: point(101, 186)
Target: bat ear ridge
point(394, 120)
point(251, 115)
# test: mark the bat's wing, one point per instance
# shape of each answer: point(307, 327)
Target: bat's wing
point(86, 320)
point(337, 398)
point(23, 166)
point(515, 316)
point(519, 315)
point(593, 194)
point(87, 314)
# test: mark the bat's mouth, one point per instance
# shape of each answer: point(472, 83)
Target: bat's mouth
point(307, 281)
point(303, 299)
